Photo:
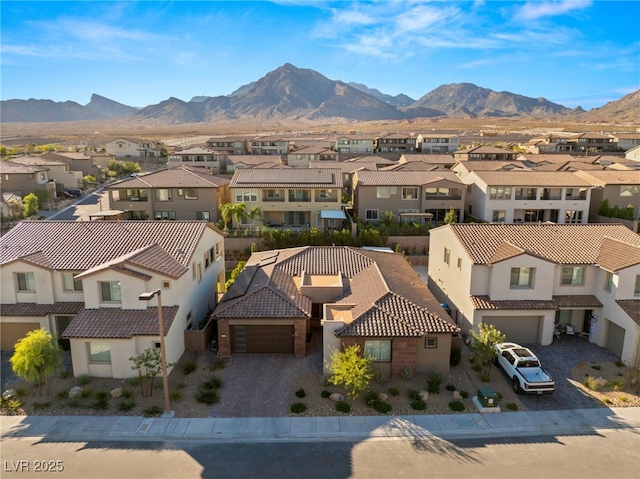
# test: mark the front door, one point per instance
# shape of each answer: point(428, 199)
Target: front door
point(61, 324)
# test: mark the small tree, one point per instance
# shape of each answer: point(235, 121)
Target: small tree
point(148, 364)
point(226, 211)
point(483, 341)
point(451, 217)
point(254, 213)
point(30, 205)
point(15, 206)
point(239, 212)
point(388, 218)
point(351, 369)
point(88, 180)
point(36, 355)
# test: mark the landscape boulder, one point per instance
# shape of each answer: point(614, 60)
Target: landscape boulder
point(336, 397)
point(75, 392)
point(116, 393)
point(8, 394)
point(384, 397)
point(456, 395)
point(424, 395)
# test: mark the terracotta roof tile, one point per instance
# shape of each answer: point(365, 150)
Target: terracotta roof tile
point(178, 177)
point(405, 178)
point(32, 309)
point(531, 178)
point(486, 303)
point(631, 307)
point(293, 178)
point(266, 302)
point(119, 323)
point(577, 301)
point(616, 255)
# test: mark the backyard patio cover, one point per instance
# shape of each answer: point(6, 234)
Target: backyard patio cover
point(333, 215)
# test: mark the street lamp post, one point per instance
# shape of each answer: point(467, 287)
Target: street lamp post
point(163, 356)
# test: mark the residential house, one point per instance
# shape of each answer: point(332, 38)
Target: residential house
point(291, 196)
point(21, 179)
point(593, 142)
point(133, 149)
point(57, 171)
point(229, 145)
point(627, 141)
point(303, 157)
point(199, 156)
point(633, 154)
point(531, 280)
point(527, 196)
point(172, 194)
point(348, 168)
point(537, 160)
point(484, 153)
point(397, 142)
point(411, 195)
point(80, 280)
point(551, 143)
point(350, 144)
point(463, 168)
point(437, 143)
point(86, 162)
point(236, 162)
point(442, 161)
point(268, 145)
point(358, 296)
point(619, 188)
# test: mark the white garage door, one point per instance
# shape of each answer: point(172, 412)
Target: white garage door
point(517, 329)
point(615, 338)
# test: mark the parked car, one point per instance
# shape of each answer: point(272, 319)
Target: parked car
point(523, 367)
point(73, 193)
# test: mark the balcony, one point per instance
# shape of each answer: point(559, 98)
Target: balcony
point(266, 198)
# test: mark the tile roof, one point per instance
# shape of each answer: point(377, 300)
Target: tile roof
point(405, 178)
point(32, 309)
point(577, 301)
point(82, 245)
point(559, 243)
point(9, 167)
point(486, 303)
point(371, 278)
point(412, 166)
point(531, 178)
point(177, 177)
point(612, 177)
point(37, 161)
point(432, 158)
point(485, 149)
point(289, 177)
point(119, 323)
point(254, 159)
point(631, 307)
point(616, 255)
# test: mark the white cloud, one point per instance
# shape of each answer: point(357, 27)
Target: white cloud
point(535, 10)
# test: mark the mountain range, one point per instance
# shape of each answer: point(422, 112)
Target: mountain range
point(293, 94)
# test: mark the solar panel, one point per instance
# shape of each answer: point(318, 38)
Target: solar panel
point(280, 176)
point(242, 282)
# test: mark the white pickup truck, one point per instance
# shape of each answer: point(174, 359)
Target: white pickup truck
point(523, 367)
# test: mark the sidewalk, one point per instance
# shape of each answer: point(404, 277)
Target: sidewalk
point(342, 428)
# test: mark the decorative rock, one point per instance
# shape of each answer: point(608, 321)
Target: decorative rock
point(384, 397)
point(75, 392)
point(8, 394)
point(424, 395)
point(335, 397)
point(116, 393)
point(601, 382)
point(456, 395)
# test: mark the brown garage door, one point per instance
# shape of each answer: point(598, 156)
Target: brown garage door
point(261, 339)
point(12, 332)
point(615, 338)
point(518, 329)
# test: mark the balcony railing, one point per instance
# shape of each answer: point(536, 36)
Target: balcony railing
point(272, 198)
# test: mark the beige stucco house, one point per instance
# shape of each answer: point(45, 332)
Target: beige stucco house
point(353, 144)
point(358, 296)
point(23, 179)
point(57, 170)
point(81, 281)
point(620, 188)
point(133, 148)
point(201, 157)
point(528, 279)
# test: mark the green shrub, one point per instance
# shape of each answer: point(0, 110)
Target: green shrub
point(343, 407)
point(619, 363)
point(21, 391)
point(39, 406)
point(214, 382)
point(100, 405)
point(74, 403)
point(500, 395)
point(83, 380)
point(207, 396)
point(484, 378)
point(135, 381)
point(407, 373)
point(11, 406)
point(450, 387)
point(126, 393)
point(456, 406)
point(413, 394)
point(86, 393)
point(597, 367)
point(181, 385)
point(477, 367)
point(418, 405)
point(617, 383)
point(62, 395)
point(175, 396)
point(217, 363)
point(152, 411)
point(371, 397)
point(298, 408)
point(393, 391)
point(189, 367)
point(380, 376)
point(126, 406)
point(623, 398)
point(591, 382)
point(325, 394)
point(512, 406)
point(65, 374)
point(300, 393)
point(102, 395)
point(464, 394)
point(382, 407)
point(434, 382)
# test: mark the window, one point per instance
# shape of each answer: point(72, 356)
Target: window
point(626, 190)
point(26, 282)
point(383, 192)
point(165, 215)
point(166, 285)
point(499, 216)
point(139, 215)
point(247, 195)
point(522, 277)
point(137, 195)
point(571, 216)
point(447, 256)
point(99, 352)
point(460, 263)
point(608, 281)
point(379, 350)
point(526, 193)
point(190, 194)
point(573, 275)
point(219, 249)
point(576, 194)
point(163, 194)
point(115, 195)
point(500, 193)
point(110, 291)
point(636, 289)
point(409, 193)
point(199, 272)
point(202, 215)
point(431, 343)
point(371, 215)
point(70, 283)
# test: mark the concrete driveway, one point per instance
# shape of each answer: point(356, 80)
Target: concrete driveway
point(258, 385)
point(558, 360)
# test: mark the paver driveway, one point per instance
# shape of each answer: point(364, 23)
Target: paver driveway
point(559, 359)
point(258, 385)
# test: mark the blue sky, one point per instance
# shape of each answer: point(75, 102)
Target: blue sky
point(141, 53)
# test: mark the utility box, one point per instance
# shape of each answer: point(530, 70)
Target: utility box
point(487, 397)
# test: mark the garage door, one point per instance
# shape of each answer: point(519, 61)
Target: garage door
point(615, 338)
point(261, 339)
point(518, 329)
point(12, 332)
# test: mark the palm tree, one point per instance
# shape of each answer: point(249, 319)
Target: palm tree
point(255, 212)
point(226, 211)
point(239, 212)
